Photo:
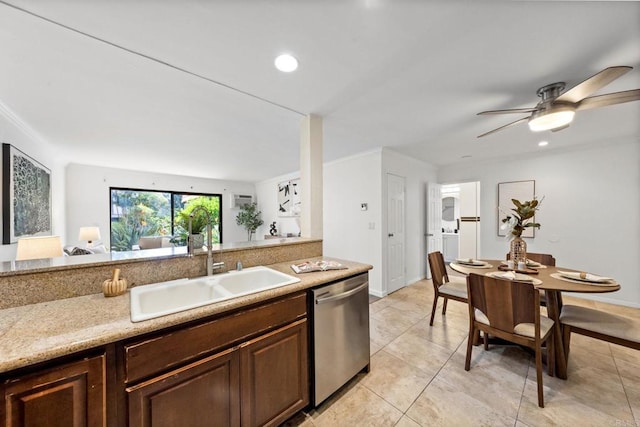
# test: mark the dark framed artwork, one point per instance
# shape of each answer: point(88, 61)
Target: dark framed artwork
point(26, 196)
point(519, 190)
point(289, 201)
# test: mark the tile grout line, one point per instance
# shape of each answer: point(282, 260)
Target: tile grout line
point(431, 380)
point(404, 413)
point(624, 389)
point(524, 387)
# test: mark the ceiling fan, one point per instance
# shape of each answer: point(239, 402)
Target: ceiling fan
point(555, 110)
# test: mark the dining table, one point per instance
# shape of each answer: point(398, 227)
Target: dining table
point(553, 281)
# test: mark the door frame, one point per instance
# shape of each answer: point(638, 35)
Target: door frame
point(433, 221)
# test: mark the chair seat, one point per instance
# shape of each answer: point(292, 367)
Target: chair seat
point(454, 288)
point(601, 322)
point(528, 329)
point(524, 329)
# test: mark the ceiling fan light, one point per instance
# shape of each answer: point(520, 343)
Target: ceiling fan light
point(556, 117)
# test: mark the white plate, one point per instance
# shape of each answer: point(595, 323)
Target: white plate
point(589, 279)
point(474, 263)
point(519, 277)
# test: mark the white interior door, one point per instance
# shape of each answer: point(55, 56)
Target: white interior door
point(433, 235)
point(469, 220)
point(395, 233)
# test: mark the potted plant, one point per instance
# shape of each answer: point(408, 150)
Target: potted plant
point(521, 218)
point(249, 218)
point(198, 223)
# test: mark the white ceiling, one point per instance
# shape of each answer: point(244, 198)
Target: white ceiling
point(188, 86)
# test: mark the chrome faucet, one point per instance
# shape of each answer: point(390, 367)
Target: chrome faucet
point(191, 249)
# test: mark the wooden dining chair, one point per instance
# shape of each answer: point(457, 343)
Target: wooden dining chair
point(510, 311)
point(455, 289)
point(544, 259)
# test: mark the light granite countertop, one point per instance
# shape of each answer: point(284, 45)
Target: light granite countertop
point(39, 332)
point(12, 268)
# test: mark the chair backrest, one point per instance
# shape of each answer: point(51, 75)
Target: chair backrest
point(505, 303)
point(439, 274)
point(544, 259)
point(150, 242)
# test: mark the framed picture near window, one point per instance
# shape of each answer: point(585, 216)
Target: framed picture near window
point(519, 190)
point(289, 201)
point(26, 196)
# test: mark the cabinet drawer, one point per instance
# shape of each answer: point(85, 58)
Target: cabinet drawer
point(154, 355)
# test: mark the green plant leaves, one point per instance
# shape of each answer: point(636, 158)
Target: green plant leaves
point(524, 211)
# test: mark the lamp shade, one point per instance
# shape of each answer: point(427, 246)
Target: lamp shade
point(38, 247)
point(89, 234)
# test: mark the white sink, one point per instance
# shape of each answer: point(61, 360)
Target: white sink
point(254, 279)
point(160, 299)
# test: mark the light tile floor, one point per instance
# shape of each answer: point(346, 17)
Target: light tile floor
point(417, 376)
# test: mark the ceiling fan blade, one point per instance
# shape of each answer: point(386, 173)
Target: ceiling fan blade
point(609, 99)
point(509, 111)
point(504, 127)
point(592, 84)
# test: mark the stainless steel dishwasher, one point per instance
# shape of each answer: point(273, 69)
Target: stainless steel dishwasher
point(340, 334)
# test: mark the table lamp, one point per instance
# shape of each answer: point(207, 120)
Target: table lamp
point(38, 247)
point(90, 234)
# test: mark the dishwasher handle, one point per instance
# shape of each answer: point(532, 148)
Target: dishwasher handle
point(342, 295)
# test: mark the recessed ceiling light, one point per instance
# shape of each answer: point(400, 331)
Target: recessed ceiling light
point(286, 63)
point(543, 143)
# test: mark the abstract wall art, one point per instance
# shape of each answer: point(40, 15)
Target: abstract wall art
point(519, 190)
point(26, 196)
point(289, 201)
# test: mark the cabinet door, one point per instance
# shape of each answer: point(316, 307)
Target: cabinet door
point(203, 393)
point(70, 395)
point(274, 375)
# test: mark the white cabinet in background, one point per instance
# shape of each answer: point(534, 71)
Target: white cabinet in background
point(450, 247)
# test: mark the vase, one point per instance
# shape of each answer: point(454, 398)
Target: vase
point(518, 250)
point(198, 241)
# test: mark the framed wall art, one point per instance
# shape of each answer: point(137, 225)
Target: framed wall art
point(26, 196)
point(519, 190)
point(289, 201)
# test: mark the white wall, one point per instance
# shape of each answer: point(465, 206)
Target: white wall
point(88, 197)
point(349, 232)
point(15, 132)
point(417, 174)
point(267, 197)
point(590, 215)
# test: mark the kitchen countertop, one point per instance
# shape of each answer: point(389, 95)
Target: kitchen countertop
point(12, 268)
point(39, 332)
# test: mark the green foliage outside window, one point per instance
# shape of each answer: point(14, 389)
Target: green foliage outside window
point(138, 213)
point(199, 223)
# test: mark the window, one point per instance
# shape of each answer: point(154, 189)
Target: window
point(161, 214)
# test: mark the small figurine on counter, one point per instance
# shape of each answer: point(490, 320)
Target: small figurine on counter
point(272, 229)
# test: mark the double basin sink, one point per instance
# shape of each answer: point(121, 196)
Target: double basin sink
point(161, 299)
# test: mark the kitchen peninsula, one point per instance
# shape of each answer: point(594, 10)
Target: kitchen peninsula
point(89, 342)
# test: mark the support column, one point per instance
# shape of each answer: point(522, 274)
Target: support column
point(311, 176)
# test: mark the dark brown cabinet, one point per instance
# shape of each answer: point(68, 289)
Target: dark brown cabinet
point(72, 394)
point(274, 376)
point(249, 368)
point(204, 393)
